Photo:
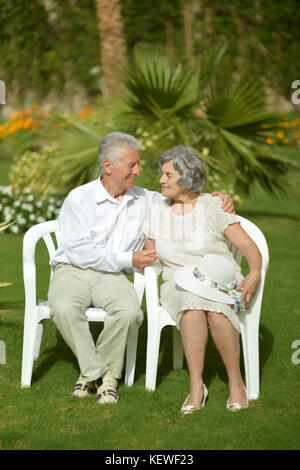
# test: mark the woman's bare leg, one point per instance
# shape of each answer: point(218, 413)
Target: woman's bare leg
point(226, 339)
point(194, 332)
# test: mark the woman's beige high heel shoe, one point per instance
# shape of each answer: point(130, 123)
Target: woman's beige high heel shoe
point(236, 406)
point(191, 408)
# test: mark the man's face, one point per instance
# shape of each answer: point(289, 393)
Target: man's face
point(124, 170)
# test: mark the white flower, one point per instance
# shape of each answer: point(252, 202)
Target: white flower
point(8, 212)
point(5, 190)
point(32, 217)
point(27, 207)
point(20, 219)
point(14, 229)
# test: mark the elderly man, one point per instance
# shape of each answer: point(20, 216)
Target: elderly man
point(101, 238)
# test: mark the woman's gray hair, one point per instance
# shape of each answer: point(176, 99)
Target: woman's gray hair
point(189, 166)
point(113, 144)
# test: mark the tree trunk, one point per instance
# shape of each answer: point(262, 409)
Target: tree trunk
point(187, 27)
point(112, 45)
point(170, 38)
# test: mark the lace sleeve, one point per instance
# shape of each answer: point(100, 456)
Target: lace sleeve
point(221, 218)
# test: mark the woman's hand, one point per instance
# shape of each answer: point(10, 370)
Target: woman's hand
point(141, 259)
point(249, 286)
point(241, 240)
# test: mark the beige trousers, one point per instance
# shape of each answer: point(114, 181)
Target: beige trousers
point(72, 290)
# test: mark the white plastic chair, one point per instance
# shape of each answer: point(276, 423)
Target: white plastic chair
point(158, 318)
point(37, 311)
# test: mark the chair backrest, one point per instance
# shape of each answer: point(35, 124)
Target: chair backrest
point(31, 237)
point(258, 237)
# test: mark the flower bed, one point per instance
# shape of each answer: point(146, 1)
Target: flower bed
point(26, 209)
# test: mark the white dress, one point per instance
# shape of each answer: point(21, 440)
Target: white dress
point(182, 240)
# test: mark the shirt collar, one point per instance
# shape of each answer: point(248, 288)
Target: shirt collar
point(102, 195)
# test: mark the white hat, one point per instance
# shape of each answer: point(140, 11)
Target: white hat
point(212, 278)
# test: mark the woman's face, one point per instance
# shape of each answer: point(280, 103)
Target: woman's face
point(169, 181)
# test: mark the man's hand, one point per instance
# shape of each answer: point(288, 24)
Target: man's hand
point(141, 259)
point(227, 205)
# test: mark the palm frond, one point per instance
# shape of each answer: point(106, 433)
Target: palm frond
point(77, 147)
point(4, 225)
point(155, 84)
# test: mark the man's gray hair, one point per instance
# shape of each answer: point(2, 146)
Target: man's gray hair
point(113, 144)
point(190, 167)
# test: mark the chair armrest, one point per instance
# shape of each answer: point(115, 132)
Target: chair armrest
point(151, 288)
point(139, 284)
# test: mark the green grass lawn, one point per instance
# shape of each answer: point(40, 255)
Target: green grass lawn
point(46, 416)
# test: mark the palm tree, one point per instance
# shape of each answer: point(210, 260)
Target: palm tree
point(230, 119)
point(207, 107)
point(112, 44)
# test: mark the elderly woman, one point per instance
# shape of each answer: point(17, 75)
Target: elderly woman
point(184, 228)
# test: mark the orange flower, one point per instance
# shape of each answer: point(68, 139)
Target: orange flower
point(198, 112)
point(280, 134)
point(269, 141)
point(11, 129)
point(296, 135)
point(27, 123)
point(15, 115)
point(84, 111)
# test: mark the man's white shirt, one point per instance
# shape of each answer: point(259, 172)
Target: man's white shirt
point(99, 232)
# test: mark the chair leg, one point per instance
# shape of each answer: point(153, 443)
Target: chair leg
point(153, 342)
point(131, 359)
point(29, 340)
point(253, 363)
point(250, 341)
point(245, 356)
point(38, 341)
point(177, 350)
